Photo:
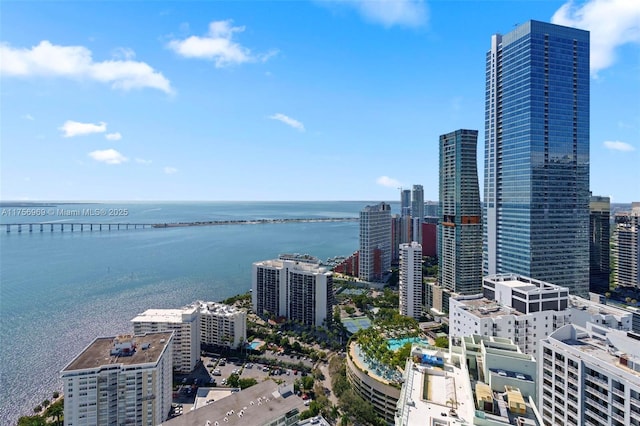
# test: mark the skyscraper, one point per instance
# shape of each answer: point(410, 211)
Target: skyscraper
point(405, 202)
point(599, 237)
point(417, 213)
point(406, 223)
point(536, 173)
point(460, 239)
point(293, 287)
point(411, 280)
point(626, 250)
point(375, 241)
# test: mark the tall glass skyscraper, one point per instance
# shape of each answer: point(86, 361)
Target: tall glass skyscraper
point(375, 242)
point(536, 173)
point(460, 226)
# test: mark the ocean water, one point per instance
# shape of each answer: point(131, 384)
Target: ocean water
point(60, 290)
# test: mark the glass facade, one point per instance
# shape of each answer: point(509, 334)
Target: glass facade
point(536, 204)
point(460, 227)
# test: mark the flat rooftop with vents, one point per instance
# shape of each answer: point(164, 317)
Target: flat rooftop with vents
point(126, 349)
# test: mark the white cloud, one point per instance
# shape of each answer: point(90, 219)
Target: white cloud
point(74, 128)
point(143, 161)
point(113, 136)
point(288, 121)
point(108, 156)
point(123, 53)
point(406, 13)
point(75, 62)
point(612, 23)
point(217, 45)
point(170, 170)
point(388, 182)
point(619, 146)
point(28, 117)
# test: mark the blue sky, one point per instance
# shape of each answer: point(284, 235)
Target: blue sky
point(277, 100)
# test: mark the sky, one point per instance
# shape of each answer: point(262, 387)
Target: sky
point(277, 100)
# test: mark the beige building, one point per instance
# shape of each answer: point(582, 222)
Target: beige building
point(125, 379)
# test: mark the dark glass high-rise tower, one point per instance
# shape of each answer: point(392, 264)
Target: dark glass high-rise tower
point(460, 226)
point(536, 174)
point(599, 248)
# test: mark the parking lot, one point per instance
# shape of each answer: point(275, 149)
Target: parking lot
point(214, 372)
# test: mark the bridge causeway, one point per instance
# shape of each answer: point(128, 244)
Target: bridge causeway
point(71, 227)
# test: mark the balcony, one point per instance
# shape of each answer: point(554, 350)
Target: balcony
point(618, 392)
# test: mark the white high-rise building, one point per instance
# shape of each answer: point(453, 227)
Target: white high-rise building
point(221, 325)
point(120, 380)
point(589, 377)
point(186, 338)
point(512, 306)
point(294, 288)
point(411, 280)
point(375, 242)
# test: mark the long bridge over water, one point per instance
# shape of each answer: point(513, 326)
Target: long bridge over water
point(107, 226)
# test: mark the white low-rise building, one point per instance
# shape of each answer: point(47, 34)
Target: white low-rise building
point(221, 324)
point(444, 388)
point(185, 325)
point(125, 379)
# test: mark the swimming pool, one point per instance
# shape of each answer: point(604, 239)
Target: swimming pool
point(256, 344)
point(395, 344)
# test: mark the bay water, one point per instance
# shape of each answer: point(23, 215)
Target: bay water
point(60, 290)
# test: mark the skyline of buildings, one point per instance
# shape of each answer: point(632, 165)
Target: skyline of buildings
point(460, 235)
point(301, 290)
point(536, 174)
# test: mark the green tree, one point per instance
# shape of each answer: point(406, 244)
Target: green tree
point(32, 421)
point(56, 410)
point(442, 342)
point(307, 383)
point(46, 403)
point(233, 380)
point(247, 382)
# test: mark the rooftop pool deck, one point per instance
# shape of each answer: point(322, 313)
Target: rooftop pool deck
point(395, 344)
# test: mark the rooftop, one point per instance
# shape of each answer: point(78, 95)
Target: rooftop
point(522, 283)
point(164, 315)
point(484, 307)
point(215, 308)
point(298, 265)
point(614, 348)
point(430, 392)
point(257, 405)
point(595, 308)
point(139, 349)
